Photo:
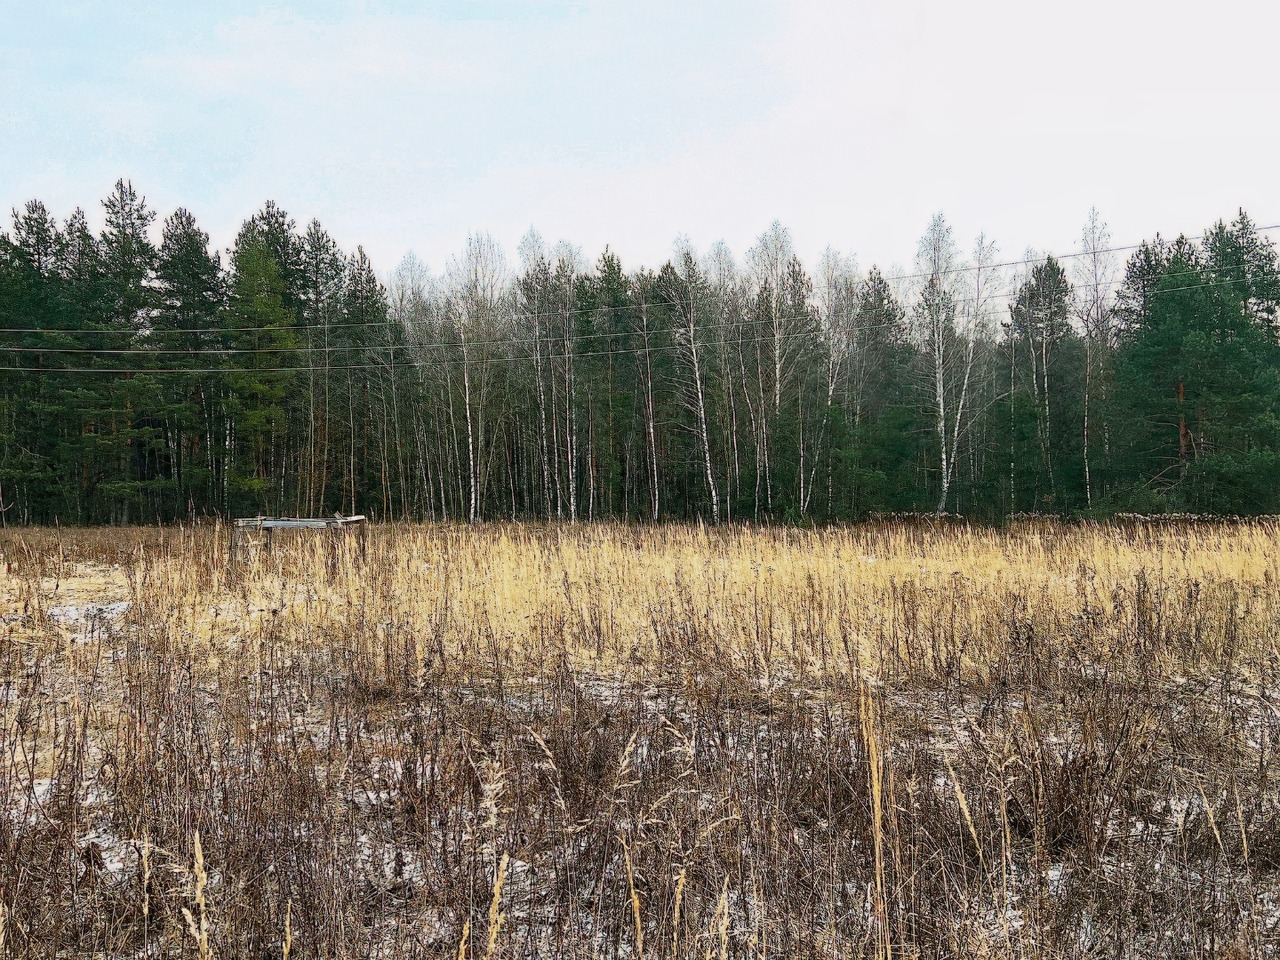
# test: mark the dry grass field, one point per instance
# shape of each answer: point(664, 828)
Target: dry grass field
point(891, 740)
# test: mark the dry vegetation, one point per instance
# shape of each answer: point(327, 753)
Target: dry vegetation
point(889, 740)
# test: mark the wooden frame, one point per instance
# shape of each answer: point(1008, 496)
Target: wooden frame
point(242, 526)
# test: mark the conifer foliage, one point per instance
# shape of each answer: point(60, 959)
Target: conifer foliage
point(145, 377)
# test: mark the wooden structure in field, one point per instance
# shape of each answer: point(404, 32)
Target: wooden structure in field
point(243, 528)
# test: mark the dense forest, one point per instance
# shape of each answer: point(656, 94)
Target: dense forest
point(144, 378)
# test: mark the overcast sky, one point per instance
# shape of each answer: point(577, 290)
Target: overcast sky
point(405, 125)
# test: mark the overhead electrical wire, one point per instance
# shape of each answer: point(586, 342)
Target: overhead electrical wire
point(507, 341)
point(583, 311)
point(426, 362)
point(421, 362)
point(1075, 255)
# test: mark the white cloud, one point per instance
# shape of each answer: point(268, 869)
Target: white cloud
point(627, 124)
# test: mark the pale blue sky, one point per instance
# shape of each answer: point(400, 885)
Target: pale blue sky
point(405, 125)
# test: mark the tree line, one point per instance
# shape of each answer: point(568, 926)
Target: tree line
point(144, 381)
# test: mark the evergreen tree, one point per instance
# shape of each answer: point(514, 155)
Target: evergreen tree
point(141, 382)
point(191, 299)
point(1040, 334)
point(878, 460)
point(37, 472)
point(372, 388)
point(260, 341)
point(1198, 382)
point(327, 343)
point(1239, 258)
point(130, 436)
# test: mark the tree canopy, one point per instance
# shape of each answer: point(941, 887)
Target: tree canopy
point(145, 377)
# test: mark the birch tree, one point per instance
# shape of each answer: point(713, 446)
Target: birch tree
point(1039, 316)
point(408, 299)
point(1095, 271)
point(535, 306)
point(837, 301)
point(685, 288)
point(646, 292)
point(948, 358)
point(726, 343)
point(784, 326)
point(476, 306)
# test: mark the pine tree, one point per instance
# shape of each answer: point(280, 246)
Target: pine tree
point(260, 342)
point(372, 389)
point(1040, 334)
point(322, 277)
point(191, 298)
point(1198, 383)
point(132, 451)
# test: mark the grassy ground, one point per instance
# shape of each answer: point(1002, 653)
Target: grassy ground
point(890, 740)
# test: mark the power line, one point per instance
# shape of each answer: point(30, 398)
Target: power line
point(502, 342)
point(439, 362)
point(531, 341)
point(634, 308)
point(969, 267)
point(421, 362)
point(426, 362)
point(506, 341)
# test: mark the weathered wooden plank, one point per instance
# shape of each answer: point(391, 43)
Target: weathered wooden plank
point(296, 523)
point(245, 525)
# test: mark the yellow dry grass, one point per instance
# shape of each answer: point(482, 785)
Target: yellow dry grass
point(888, 600)
point(665, 733)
